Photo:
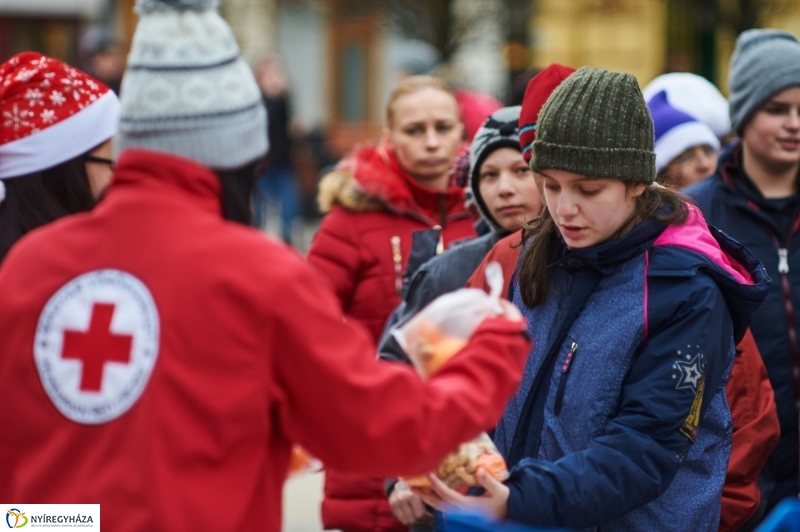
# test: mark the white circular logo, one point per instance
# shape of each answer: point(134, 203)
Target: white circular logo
point(96, 344)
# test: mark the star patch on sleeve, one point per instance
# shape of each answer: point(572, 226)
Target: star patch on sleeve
point(691, 373)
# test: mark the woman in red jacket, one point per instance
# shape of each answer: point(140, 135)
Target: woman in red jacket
point(375, 200)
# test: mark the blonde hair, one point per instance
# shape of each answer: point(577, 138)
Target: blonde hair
point(413, 84)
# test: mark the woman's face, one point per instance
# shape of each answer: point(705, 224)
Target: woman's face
point(773, 133)
point(507, 187)
point(691, 166)
point(100, 171)
point(425, 134)
point(588, 210)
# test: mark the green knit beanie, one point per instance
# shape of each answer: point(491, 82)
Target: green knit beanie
point(596, 124)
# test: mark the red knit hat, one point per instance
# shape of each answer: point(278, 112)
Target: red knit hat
point(50, 113)
point(539, 89)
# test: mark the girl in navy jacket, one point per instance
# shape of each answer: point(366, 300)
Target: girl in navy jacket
point(636, 306)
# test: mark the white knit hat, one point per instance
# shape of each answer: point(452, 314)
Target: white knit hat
point(676, 131)
point(187, 91)
point(695, 96)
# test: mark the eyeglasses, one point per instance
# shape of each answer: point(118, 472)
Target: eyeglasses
point(100, 160)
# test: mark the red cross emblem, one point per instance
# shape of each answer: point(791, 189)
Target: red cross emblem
point(97, 346)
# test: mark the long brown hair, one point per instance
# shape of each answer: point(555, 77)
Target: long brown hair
point(39, 198)
point(534, 275)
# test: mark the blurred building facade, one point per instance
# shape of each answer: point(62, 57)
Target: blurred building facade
point(53, 27)
point(344, 56)
point(650, 37)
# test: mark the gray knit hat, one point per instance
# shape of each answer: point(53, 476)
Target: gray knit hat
point(500, 130)
point(764, 63)
point(187, 91)
point(596, 124)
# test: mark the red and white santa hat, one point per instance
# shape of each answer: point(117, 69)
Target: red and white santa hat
point(50, 113)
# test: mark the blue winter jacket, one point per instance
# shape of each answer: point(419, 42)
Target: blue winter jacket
point(729, 200)
point(624, 424)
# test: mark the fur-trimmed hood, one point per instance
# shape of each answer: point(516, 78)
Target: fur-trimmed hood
point(371, 179)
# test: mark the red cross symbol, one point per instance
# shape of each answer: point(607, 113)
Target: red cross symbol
point(97, 346)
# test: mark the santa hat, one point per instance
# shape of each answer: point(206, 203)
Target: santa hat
point(539, 89)
point(676, 131)
point(187, 91)
point(695, 96)
point(50, 113)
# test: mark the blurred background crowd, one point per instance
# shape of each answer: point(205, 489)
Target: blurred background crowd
point(326, 67)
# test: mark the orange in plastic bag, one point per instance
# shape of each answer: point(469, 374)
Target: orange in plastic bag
point(300, 462)
point(458, 470)
point(435, 348)
point(430, 339)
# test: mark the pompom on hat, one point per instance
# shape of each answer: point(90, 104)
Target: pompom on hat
point(50, 113)
point(539, 89)
point(187, 91)
point(676, 131)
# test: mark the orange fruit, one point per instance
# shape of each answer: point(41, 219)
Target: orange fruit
point(492, 464)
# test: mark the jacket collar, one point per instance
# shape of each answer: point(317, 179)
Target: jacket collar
point(606, 256)
point(736, 179)
point(166, 173)
point(379, 175)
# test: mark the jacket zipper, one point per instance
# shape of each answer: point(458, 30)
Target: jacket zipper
point(443, 208)
point(562, 380)
point(397, 258)
point(788, 306)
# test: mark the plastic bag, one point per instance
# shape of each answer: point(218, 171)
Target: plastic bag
point(434, 335)
point(301, 463)
point(443, 328)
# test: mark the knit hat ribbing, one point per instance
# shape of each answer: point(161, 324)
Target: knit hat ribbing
point(764, 63)
point(187, 91)
point(596, 124)
point(499, 130)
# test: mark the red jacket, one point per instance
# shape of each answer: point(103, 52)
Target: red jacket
point(755, 433)
point(160, 361)
point(362, 246)
point(755, 420)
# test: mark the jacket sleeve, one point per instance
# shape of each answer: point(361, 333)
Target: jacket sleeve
point(335, 253)
point(388, 347)
point(755, 432)
point(370, 417)
point(644, 444)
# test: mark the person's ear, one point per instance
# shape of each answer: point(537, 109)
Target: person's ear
point(636, 190)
